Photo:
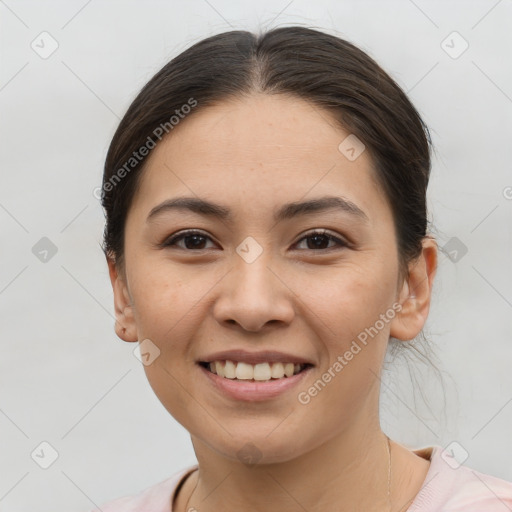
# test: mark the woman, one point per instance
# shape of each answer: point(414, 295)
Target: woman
point(266, 239)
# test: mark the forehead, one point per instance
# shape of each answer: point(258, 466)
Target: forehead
point(259, 151)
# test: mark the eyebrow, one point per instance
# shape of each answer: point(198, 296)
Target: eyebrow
point(285, 212)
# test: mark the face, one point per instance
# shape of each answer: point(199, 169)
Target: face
point(259, 274)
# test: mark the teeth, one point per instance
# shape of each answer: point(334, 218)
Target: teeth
point(288, 369)
point(277, 370)
point(261, 371)
point(229, 369)
point(219, 368)
point(244, 371)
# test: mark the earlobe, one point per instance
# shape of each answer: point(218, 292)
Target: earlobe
point(125, 325)
point(416, 293)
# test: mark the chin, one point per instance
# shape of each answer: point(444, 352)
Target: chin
point(264, 446)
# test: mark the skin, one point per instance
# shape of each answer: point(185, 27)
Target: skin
point(252, 155)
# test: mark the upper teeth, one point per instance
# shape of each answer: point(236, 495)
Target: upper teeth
point(260, 371)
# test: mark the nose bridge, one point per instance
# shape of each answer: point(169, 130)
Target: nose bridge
point(250, 280)
point(251, 294)
point(253, 275)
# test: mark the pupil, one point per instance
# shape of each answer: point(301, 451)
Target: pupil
point(320, 239)
point(198, 239)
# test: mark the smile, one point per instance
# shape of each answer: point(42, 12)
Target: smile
point(238, 370)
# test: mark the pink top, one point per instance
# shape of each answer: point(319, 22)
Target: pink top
point(447, 488)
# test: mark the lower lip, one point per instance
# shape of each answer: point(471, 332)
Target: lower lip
point(254, 391)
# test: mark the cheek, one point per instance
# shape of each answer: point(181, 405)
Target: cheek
point(166, 301)
point(347, 300)
point(347, 322)
point(168, 313)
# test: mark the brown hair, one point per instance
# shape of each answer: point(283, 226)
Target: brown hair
point(320, 68)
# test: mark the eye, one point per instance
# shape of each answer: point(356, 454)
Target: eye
point(320, 238)
point(192, 240)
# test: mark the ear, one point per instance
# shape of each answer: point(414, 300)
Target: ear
point(125, 327)
point(415, 293)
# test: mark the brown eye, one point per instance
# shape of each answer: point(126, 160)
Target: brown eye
point(319, 240)
point(191, 240)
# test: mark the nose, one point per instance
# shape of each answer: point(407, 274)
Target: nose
point(254, 296)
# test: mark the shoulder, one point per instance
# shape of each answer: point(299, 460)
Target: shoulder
point(451, 487)
point(156, 498)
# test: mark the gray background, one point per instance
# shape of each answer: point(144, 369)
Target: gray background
point(65, 378)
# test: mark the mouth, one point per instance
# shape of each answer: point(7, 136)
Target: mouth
point(260, 372)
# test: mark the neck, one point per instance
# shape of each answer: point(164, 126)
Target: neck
point(350, 470)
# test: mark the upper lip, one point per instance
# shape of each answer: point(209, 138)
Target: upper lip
point(263, 356)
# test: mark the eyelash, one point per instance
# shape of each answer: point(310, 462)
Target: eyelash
point(317, 232)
